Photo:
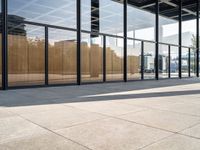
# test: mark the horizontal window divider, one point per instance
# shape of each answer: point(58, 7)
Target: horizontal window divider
point(148, 41)
point(48, 25)
point(186, 47)
point(103, 34)
point(162, 43)
point(41, 86)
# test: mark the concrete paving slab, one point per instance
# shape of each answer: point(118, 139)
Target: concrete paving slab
point(12, 128)
point(193, 131)
point(62, 118)
point(176, 142)
point(162, 119)
point(89, 116)
point(4, 113)
point(113, 134)
point(35, 108)
point(46, 141)
point(106, 107)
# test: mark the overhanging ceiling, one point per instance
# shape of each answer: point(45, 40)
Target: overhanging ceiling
point(168, 8)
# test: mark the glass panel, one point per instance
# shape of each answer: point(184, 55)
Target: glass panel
point(189, 25)
point(140, 22)
point(168, 22)
point(163, 61)
point(91, 58)
point(26, 49)
point(60, 13)
point(149, 60)
point(134, 59)
point(62, 56)
point(114, 58)
point(174, 64)
point(185, 62)
point(105, 16)
point(192, 62)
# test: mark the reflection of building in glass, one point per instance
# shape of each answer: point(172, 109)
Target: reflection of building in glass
point(163, 63)
point(148, 63)
point(185, 62)
point(16, 25)
point(174, 65)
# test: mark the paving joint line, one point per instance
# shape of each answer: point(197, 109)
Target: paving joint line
point(153, 108)
point(56, 133)
point(115, 117)
point(178, 133)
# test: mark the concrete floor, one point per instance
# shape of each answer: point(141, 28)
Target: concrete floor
point(149, 115)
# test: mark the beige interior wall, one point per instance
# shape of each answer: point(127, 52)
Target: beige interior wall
point(27, 57)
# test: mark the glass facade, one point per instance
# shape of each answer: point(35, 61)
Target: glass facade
point(185, 62)
point(49, 42)
point(91, 58)
point(62, 56)
point(174, 61)
point(192, 62)
point(189, 27)
point(163, 61)
point(134, 60)
point(114, 59)
point(25, 46)
point(139, 23)
point(59, 13)
point(169, 23)
point(149, 60)
point(104, 16)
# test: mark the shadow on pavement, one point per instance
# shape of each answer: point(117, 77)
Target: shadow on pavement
point(72, 94)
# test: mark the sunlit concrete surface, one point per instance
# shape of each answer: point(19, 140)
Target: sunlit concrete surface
point(143, 115)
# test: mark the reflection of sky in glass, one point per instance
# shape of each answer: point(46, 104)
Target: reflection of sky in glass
point(34, 32)
point(163, 49)
point(110, 16)
point(61, 13)
point(174, 52)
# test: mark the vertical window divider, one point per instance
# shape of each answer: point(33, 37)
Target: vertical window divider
point(78, 9)
point(157, 42)
point(125, 40)
point(142, 60)
point(4, 46)
point(180, 39)
point(197, 43)
point(189, 62)
point(169, 63)
point(46, 56)
point(104, 58)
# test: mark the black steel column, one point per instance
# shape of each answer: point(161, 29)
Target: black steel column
point(157, 42)
point(125, 40)
point(4, 46)
point(189, 62)
point(104, 58)
point(142, 60)
point(78, 42)
point(180, 39)
point(169, 63)
point(197, 38)
point(46, 56)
